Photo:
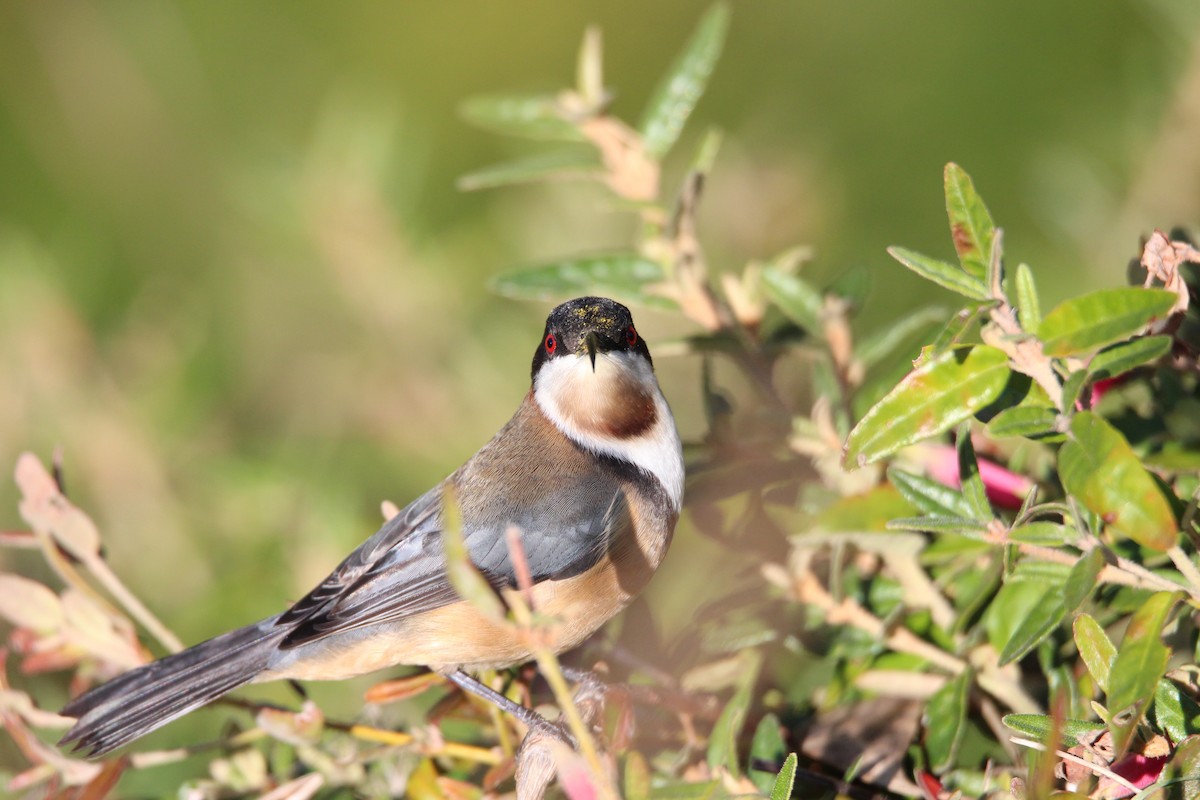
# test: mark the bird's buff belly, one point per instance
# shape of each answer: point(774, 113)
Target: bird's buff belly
point(459, 635)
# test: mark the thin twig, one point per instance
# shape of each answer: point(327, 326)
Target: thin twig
point(1186, 568)
point(1099, 769)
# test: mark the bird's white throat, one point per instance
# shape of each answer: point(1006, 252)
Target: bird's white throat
point(584, 403)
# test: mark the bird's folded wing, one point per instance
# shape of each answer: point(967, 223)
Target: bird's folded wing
point(401, 570)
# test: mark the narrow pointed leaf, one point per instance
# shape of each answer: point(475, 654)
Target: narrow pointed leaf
point(795, 297)
point(951, 333)
point(637, 777)
point(564, 164)
point(1040, 727)
point(1098, 466)
point(1050, 534)
point(1082, 579)
point(722, 744)
point(934, 523)
point(929, 495)
point(1175, 712)
point(1139, 665)
point(944, 391)
point(1031, 422)
point(945, 275)
point(1095, 648)
point(875, 347)
point(1029, 308)
point(532, 116)
point(971, 225)
point(1093, 320)
point(973, 490)
point(946, 721)
point(1124, 356)
point(627, 275)
point(768, 750)
point(1035, 626)
point(680, 89)
point(782, 790)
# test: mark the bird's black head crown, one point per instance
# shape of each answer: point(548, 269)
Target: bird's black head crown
point(587, 326)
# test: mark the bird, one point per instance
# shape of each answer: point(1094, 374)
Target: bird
point(589, 471)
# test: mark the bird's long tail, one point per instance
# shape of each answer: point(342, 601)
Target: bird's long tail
point(141, 700)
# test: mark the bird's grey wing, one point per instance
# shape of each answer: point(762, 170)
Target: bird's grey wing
point(401, 571)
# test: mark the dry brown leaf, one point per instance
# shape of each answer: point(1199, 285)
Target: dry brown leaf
point(29, 604)
point(1161, 258)
point(45, 508)
point(91, 628)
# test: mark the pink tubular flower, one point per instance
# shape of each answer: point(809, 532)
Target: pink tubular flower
point(1005, 489)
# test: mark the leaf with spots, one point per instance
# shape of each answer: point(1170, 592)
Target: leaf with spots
point(1099, 468)
point(971, 224)
point(944, 391)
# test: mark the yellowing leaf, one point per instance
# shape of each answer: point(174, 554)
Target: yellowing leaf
point(29, 604)
point(1093, 320)
point(1098, 466)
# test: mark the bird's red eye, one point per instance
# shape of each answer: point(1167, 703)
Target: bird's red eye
point(551, 344)
point(631, 336)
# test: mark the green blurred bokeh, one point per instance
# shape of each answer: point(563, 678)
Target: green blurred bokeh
point(239, 287)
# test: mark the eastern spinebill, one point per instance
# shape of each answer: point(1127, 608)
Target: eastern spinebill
point(589, 470)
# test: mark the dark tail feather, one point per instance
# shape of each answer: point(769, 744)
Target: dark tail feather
point(141, 700)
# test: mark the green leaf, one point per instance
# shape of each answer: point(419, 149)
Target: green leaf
point(1040, 727)
point(1095, 648)
point(1035, 626)
point(1082, 579)
point(951, 334)
point(1182, 773)
point(722, 743)
point(627, 275)
point(782, 790)
point(944, 391)
point(1124, 356)
point(706, 153)
point(1175, 713)
point(1101, 470)
point(945, 275)
point(876, 346)
point(1093, 320)
point(795, 297)
point(929, 495)
point(946, 721)
point(680, 89)
point(973, 490)
point(637, 776)
point(1072, 386)
point(971, 225)
point(869, 511)
point(682, 790)
point(563, 164)
point(934, 523)
point(767, 750)
point(1029, 309)
point(533, 116)
point(1031, 422)
point(1139, 665)
point(1049, 534)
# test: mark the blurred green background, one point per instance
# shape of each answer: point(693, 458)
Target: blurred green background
point(239, 287)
